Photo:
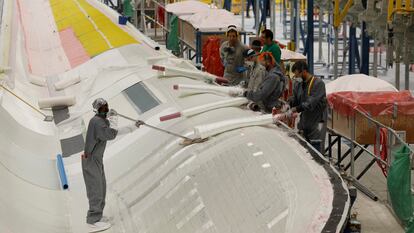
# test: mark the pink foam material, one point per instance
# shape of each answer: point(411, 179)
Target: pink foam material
point(170, 116)
point(75, 52)
point(44, 52)
point(159, 68)
point(175, 87)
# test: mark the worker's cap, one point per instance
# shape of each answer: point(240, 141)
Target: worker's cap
point(249, 53)
point(232, 28)
point(98, 103)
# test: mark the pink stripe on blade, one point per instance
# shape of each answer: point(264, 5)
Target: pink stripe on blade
point(74, 50)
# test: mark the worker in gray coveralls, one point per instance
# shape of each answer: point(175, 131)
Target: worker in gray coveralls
point(309, 99)
point(100, 130)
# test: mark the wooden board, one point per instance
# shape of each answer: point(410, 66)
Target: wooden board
point(365, 130)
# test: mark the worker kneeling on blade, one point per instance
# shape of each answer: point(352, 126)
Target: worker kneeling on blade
point(267, 94)
point(309, 99)
point(102, 127)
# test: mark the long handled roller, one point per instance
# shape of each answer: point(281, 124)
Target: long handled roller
point(187, 140)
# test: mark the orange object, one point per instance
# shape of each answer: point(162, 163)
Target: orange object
point(382, 150)
point(211, 56)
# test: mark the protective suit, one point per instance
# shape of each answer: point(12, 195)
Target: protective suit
point(232, 58)
point(309, 98)
point(269, 91)
point(93, 169)
point(100, 130)
point(255, 73)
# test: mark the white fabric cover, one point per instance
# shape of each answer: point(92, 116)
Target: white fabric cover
point(186, 7)
point(291, 55)
point(213, 20)
point(205, 131)
point(360, 83)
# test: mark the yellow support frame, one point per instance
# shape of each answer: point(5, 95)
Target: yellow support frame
point(338, 15)
point(398, 8)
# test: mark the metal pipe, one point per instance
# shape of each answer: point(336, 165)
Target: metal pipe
point(273, 16)
point(363, 189)
point(375, 64)
point(142, 10)
point(397, 71)
point(310, 36)
point(366, 169)
point(352, 147)
point(242, 14)
point(256, 17)
point(336, 53)
point(407, 71)
point(320, 53)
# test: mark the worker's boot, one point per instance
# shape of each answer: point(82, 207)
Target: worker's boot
point(99, 226)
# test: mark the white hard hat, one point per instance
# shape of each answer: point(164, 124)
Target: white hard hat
point(98, 103)
point(232, 28)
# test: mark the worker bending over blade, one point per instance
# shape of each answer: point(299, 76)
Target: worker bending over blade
point(309, 99)
point(268, 92)
point(100, 130)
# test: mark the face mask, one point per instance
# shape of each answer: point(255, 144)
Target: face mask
point(249, 63)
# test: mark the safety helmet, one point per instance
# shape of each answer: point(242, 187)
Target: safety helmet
point(98, 103)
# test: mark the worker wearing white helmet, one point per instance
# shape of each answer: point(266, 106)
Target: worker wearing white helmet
point(100, 130)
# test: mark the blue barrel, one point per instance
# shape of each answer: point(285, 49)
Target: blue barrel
point(62, 172)
point(122, 20)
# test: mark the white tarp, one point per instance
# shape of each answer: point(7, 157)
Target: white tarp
point(186, 7)
point(291, 55)
point(358, 82)
point(213, 20)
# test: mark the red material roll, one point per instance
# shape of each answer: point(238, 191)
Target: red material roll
point(159, 68)
point(170, 116)
point(221, 80)
point(175, 87)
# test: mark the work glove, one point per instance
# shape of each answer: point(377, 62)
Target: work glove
point(279, 117)
point(241, 69)
point(113, 121)
point(112, 112)
point(285, 107)
point(253, 106)
point(242, 84)
point(139, 123)
point(236, 92)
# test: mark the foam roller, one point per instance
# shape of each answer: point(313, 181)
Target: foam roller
point(64, 83)
point(36, 80)
point(58, 101)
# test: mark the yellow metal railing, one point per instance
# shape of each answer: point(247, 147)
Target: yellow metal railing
point(396, 7)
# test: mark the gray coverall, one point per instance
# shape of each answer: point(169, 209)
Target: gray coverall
point(269, 91)
point(313, 107)
point(255, 76)
point(93, 169)
point(232, 57)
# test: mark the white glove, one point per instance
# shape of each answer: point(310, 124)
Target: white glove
point(113, 121)
point(127, 129)
point(285, 107)
point(112, 112)
point(289, 113)
point(279, 117)
point(236, 92)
